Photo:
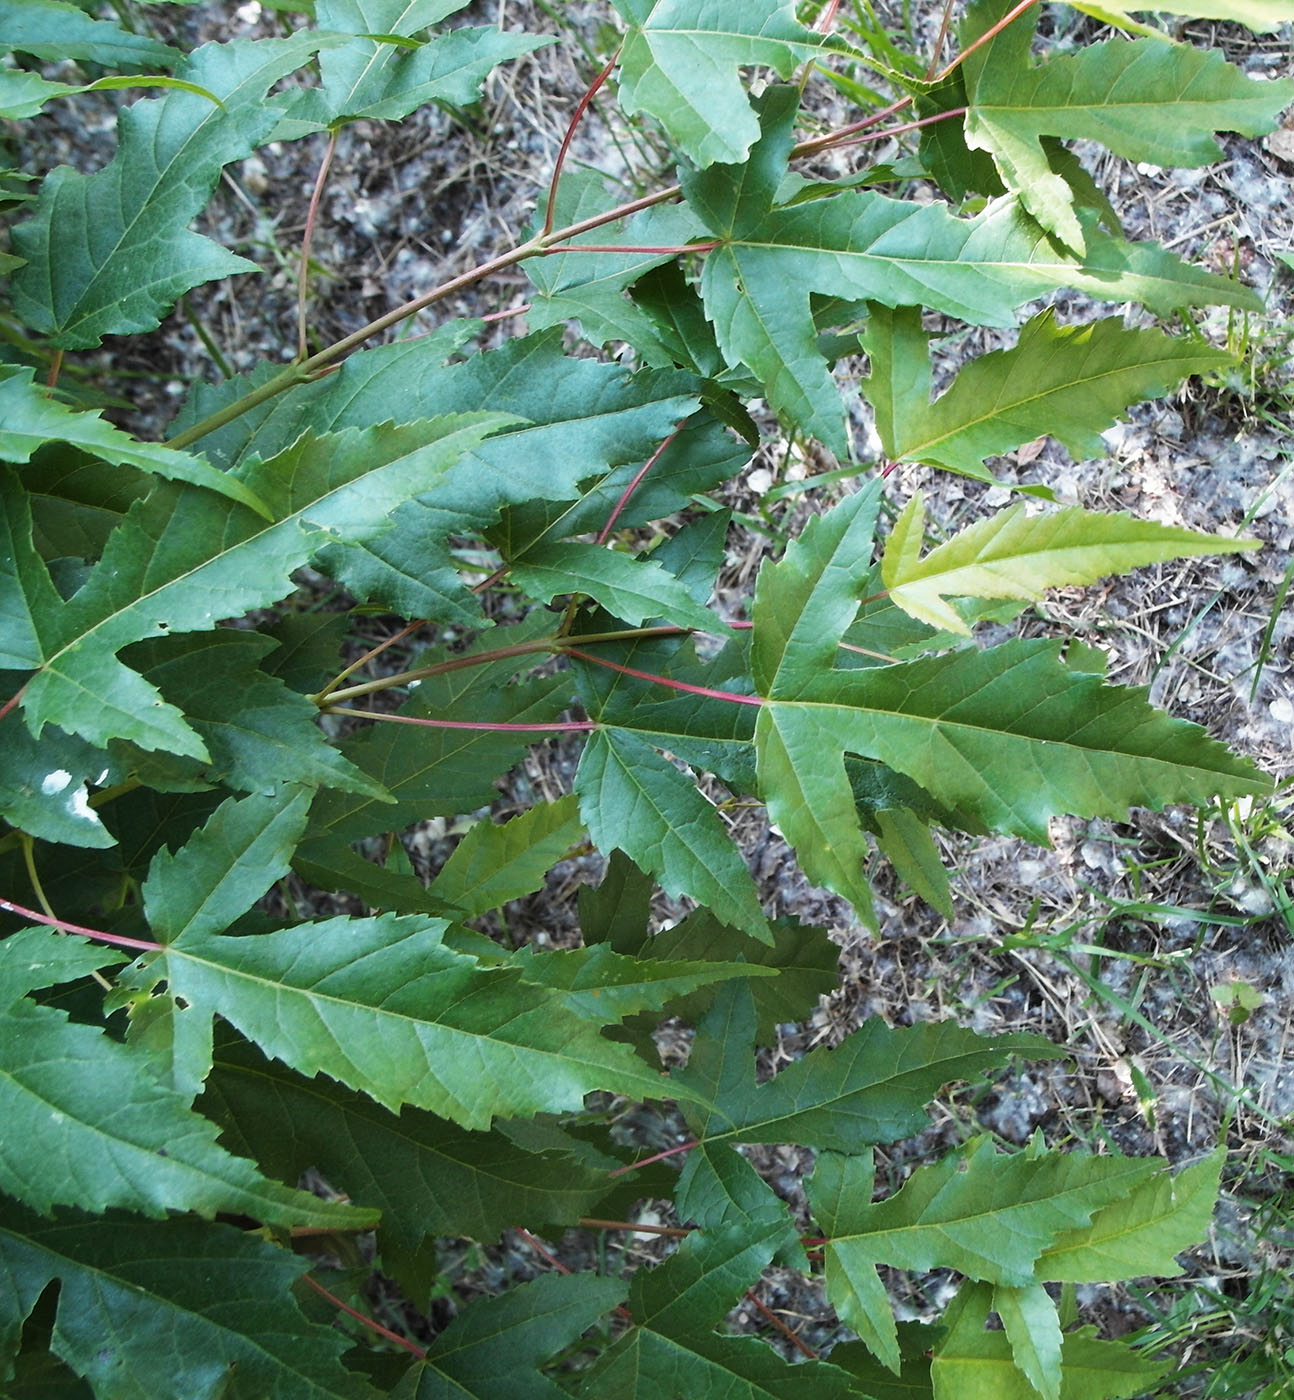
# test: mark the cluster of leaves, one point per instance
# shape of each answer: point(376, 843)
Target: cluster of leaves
point(176, 1048)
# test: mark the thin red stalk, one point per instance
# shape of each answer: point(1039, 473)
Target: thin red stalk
point(588, 1223)
point(542, 1250)
point(907, 126)
point(576, 117)
point(659, 1157)
point(811, 1240)
point(633, 486)
point(630, 248)
point(549, 1257)
point(572, 726)
point(770, 1316)
point(833, 138)
point(370, 1323)
point(828, 17)
point(441, 668)
point(504, 315)
point(48, 919)
point(55, 369)
point(369, 655)
point(12, 701)
point(662, 680)
point(307, 238)
point(940, 38)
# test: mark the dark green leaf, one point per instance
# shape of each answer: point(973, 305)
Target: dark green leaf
point(176, 1310)
point(109, 253)
point(634, 800)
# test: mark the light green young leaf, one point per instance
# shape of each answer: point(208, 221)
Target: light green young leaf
point(110, 253)
point(88, 1124)
point(1262, 16)
point(1141, 1234)
point(971, 1363)
point(1014, 555)
point(628, 588)
point(183, 558)
point(53, 30)
point(371, 78)
point(633, 800)
point(169, 1309)
point(986, 1215)
point(29, 418)
point(679, 64)
point(872, 1088)
point(493, 864)
point(383, 1006)
point(1144, 99)
point(1071, 382)
point(492, 1350)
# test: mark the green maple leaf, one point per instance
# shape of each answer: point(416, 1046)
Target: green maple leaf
point(45, 784)
point(440, 771)
point(30, 418)
point(69, 1140)
point(702, 730)
point(1070, 382)
point(493, 864)
point(604, 986)
point(174, 1310)
point(634, 800)
point(862, 245)
point(805, 957)
point(590, 287)
point(971, 1363)
point(986, 1215)
point(672, 1349)
point(679, 64)
point(1140, 1234)
point(53, 30)
point(427, 1176)
point(183, 558)
point(872, 1088)
point(1014, 555)
point(628, 588)
point(258, 732)
point(492, 1349)
point(1011, 736)
point(384, 1006)
point(1144, 99)
point(372, 78)
point(110, 253)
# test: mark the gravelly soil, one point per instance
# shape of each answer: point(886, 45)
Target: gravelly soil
point(1119, 939)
